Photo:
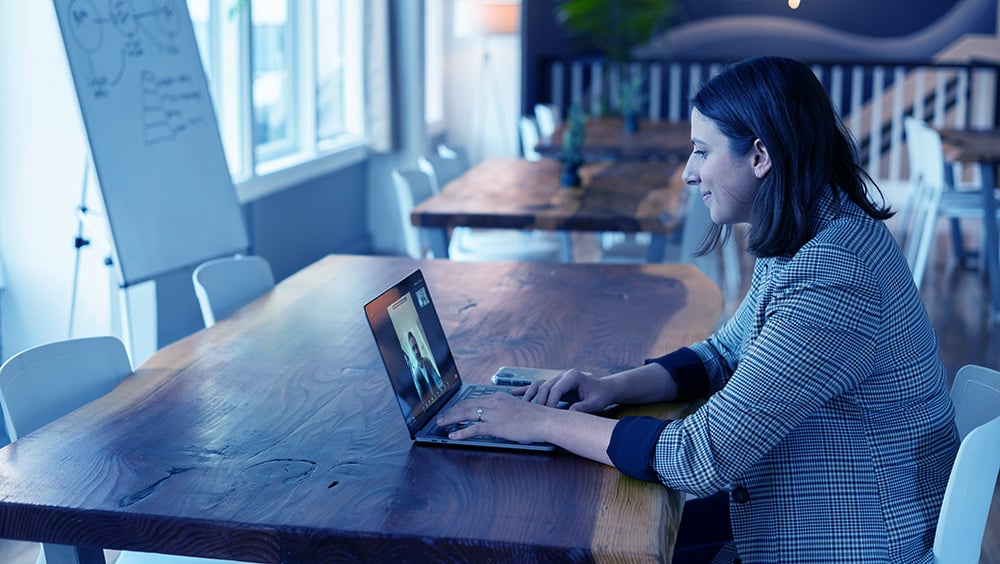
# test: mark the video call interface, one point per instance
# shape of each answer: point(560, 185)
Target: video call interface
point(415, 350)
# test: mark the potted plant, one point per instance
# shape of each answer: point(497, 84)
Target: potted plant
point(630, 100)
point(615, 28)
point(572, 146)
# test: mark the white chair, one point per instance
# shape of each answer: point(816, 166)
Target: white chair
point(468, 244)
point(976, 395)
point(459, 154)
point(225, 285)
point(918, 219)
point(547, 118)
point(412, 187)
point(43, 383)
point(441, 170)
point(529, 138)
point(931, 197)
point(962, 521)
point(966, 505)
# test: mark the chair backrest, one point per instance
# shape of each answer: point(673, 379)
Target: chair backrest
point(454, 152)
point(967, 499)
point(225, 285)
point(927, 182)
point(529, 138)
point(43, 383)
point(547, 118)
point(976, 395)
point(412, 187)
point(442, 169)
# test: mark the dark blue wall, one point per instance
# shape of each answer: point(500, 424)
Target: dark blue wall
point(882, 31)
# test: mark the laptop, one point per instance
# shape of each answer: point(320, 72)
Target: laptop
point(420, 365)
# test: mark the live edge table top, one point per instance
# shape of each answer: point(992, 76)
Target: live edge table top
point(273, 435)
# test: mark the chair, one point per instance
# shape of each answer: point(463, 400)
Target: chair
point(547, 118)
point(976, 395)
point(931, 197)
point(441, 170)
point(966, 505)
point(43, 383)
point(918, 219)
point(468, 244)
point(412, 187)
point(451, 152)
point(962, 521)
point(225, 285)
point(529, 138)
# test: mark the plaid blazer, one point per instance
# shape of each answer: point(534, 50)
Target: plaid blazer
point(829, 419)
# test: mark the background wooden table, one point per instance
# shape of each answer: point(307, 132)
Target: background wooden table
point(518, 194)
point(606, 138)
point(982, 147)
point(273, 436)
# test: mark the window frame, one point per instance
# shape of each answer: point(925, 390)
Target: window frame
point(259, 170)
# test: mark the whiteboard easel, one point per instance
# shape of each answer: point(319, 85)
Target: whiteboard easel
point(153, 134)
point(155, 144)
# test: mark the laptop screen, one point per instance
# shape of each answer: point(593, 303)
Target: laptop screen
point(413, 347)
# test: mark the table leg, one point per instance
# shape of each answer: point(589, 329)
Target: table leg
point(657, 247)
point(437, 239)
point(991, 248)
point(566, 248)
point(65, 554)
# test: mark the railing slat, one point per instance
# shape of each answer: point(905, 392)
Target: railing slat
point(871, 106)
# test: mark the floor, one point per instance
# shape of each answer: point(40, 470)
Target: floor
point(956, 299)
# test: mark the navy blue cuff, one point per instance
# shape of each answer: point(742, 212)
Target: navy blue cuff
point(688, 371)
point(633, 444)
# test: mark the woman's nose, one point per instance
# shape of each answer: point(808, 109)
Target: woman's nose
point(690, 175)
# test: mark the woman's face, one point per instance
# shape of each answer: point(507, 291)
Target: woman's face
point(727, 181)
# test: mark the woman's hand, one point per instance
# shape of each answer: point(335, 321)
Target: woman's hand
point(581, 390)
point(505, 416)
point(500, 415)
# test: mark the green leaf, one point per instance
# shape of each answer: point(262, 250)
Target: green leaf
point(615, 27)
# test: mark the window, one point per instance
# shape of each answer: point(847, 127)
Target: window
point(286, 78)
point(434, 57)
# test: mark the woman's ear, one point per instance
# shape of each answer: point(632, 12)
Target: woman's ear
point(761, 159)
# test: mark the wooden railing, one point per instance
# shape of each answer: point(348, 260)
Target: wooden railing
point(871, 98)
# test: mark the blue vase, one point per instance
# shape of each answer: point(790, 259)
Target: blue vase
point(631, 123)
point(570, 176)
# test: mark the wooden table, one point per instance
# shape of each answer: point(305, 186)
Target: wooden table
point(607, 139)
point(982, 147)
point(273, 436)
point(518, 194)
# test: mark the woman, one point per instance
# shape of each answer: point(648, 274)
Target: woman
point(828, 420)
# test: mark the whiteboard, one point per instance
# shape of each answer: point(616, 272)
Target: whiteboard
point(153, 134)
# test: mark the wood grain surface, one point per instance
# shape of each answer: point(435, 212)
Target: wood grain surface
point(273, 436)
point(520, 194)
point(971, 145)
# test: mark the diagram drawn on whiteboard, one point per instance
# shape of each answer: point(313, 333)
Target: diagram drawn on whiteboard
point(120, 41)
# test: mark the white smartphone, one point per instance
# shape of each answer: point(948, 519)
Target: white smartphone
point(522, 376)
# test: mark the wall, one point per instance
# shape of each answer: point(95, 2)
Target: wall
point(42, 156)
point(291, 229)
point(846, 30)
